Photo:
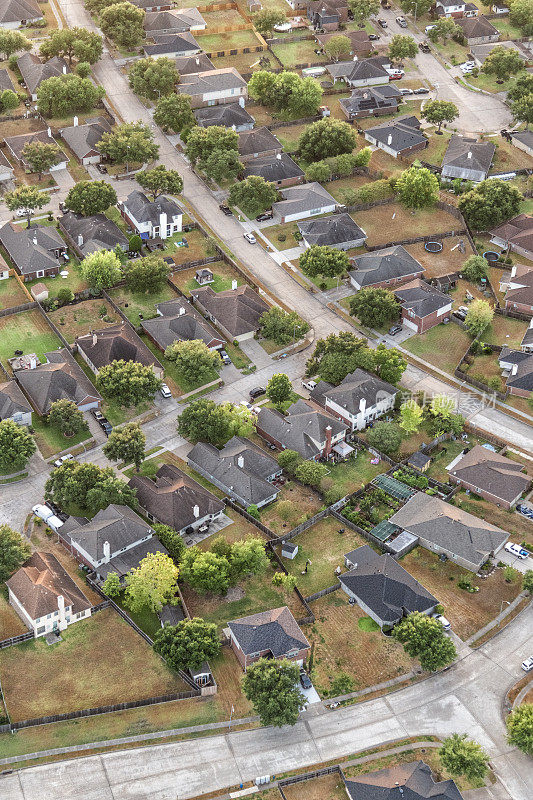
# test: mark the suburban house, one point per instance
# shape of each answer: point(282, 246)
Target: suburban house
point(13, 404)
point(523, 140)
point(151, 5)
point(400, 137)
point(382, 588)
point(188, 65)
point(230, 115)
point(176, 321)
point(280, 169)
point(152, 219)
point(526, 344)
point(357, 400)
point(367, 72)
point(517, 367)
point(83, 139)
point(17, 13)
point(384, 268)
point(304, 429)
point(116, 343)
point(268, 634)
point(516, 234)
point(300, 202)
point(241, 469)
point(496, 478)
point(16, 144)
point(518, 288)
point(448, 530)
point(6, 170)
point(44, 595)
point(5, 80)
point(114, 540)
point(478, 30)
point(87, 234)
point(422, 305)
point(34, 251)
point(59, 378)
point(177, 20)
point(376, 101)
point(214, 87)
point(327, 15)
point(360, 44)
point(412, 780)
point(256, 143)
point(172, 45)
point(175, 499)
point(455, 9)
point(467, 159)
point(34, 71)
point(235, 311)
point(338, 231)
point(481, 52)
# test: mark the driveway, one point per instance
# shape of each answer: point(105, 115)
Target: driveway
point(520, 564)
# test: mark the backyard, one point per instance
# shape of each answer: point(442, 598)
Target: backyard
point(519, 527)
point(300, 52)
point(444, 455)
point(178, 383)
point(12, 294)
point(28, 332)
point(325, 787)
point(393, 222)
point(349, 476)
point(223, 275)
point(135, 304)
point(444, 346)
point(81, 318)
point(231, 40)
point(10, 622)
point(294, 505)
point(50, 440)
point(73, 281)
point(449, 260)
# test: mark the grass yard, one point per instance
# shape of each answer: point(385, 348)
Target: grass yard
point(229, 17)
point(74, 280)
point(285, 230)
point(391, 223)
point(451, 50)
point(133, 304)
point(450, 259)
point(341, 646)
point(434, 152)
point(178, 383)
point(115, 216)
point(330, 787)
point(10, 622)
point(196, 247)
point(444, 455)
point(81, 318)
point(508, 157)
point(294, 505)
point(349, 476)
point(517, 525)
point(460, 293)
point(223, 275)
point(12, 294)
point(339, 188)
point(28, 332)
point(506, 28)
point(50, 440)
point(489, 83)
point(240, 529)
point(506, 331)
point(232, 40)
point(289, 136)
point(117, 414)
point(485, 368)
point(301, 52)
point(443, 346)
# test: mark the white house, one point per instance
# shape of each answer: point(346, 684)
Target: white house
point(13, 404)
point(301, 202)
point(358, 400)
point(17, 13)
point(160, 218)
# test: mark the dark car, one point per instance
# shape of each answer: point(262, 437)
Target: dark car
point(305, 680)
point(373, 37)
point(266, 215)
point(107, 428)
point(383, 23)
point(424, 47)
point(421, 90)
point(101, 168)
point(227, 210)
point(224, 356)
point(394, 329)
point(257, 392)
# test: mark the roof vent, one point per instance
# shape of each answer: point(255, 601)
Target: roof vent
point(196, 511)
point(389, 139)
point(469, 154)
point(240, 462)
point(278, 155)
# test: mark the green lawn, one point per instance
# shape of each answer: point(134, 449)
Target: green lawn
point(28, 332)
point(506, 331)
point(223, 275)
point(133, 304)
point(301, 52)
point(349, 476)
point(506, 28)
point(489, 82)
point(217, 42)
point(289, 136)
point(114, 214)
point(287, 231)
point(118, 414)
point(443, 346)
point(74, 280)
point(50, 440)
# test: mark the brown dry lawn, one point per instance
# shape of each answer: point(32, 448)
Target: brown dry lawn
point(392, 223)
point(228, 675)
point(326, 787)
point(10, 622)
point(240, 529)
point(223, 275)
point(448, 260)
point(12, 294)
point(516, 524)
point(444, 346)
point(294, 505)
point(79, 319)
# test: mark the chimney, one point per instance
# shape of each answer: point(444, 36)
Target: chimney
point(196, 511)
point(107, 552)
point(33, 361)
point(233, 127)
point(514, 369)
point(234, 284)
point(61, 607)
point(240, 462)
point(49, 133)
point(513, 271)
point(197, 61)
point(389, 139)
point(241, 101)
point(469, 154)
point(64, 69)
point(95, 339)
point(75, 122)
point(182, 311)
point(80, 240)
point(327, 448)
point(163, 224)
point(362, 405)
point(34, 240)
point(278, 155)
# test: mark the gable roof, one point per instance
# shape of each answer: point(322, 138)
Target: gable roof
point(522, 378)
point(227, 114)
point(299, 199)
point(400, 134)
point(475, 27)
point(371, 98)
point(273, 168)
point(5, 79)
point(492, 473)
point(12, 400)
point(97, 232)
point(39, 583)
point(258, 140)
point(384, 265)
point(59, 379)
point(363, 69)
point(30, 249)
point(411, 781)
point(517, 232)
point(115, 343)
point(83, 139)
point(213, 80)
point(300, 429)
point(334, 230)
point(357, 386)
point(524, 137)
point(188, 65)
point(421, 297)
point(117, 524)
point(172, 43)
point(18, 10)
point(178, 19)
point(523, 292)
point(467, 153)
point(145, 210)
point(238, 310)
point(34, 71)
point(176, 321)
point(17, 144)
point(275, 630)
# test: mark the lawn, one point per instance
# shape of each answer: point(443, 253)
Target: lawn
point(349, 476)
point(81, 318)
point(298, 503)
point(290, 135)
point(326, 786)
point(287, 231)
point(505, 331)
point(508, 157)
point(196, 247)
point(485, 368)
point(520, 528)
point(10, 622)
point(434, 152)
point(232, 40)
point(223, 274)
point(301, 52)
point(115, 216)
point(227, 18)
point(444, 455)
point(12, 294)
point(178, 383)
point(74, 280)
point(50, 440)
point(444, 346)
point(339, 188)
point(133, 304)
point(450, 259)
point(393, 223)
point(117, 414)
point(240, 529)
point(489, 83)
point(505, 27)
point(28, 332)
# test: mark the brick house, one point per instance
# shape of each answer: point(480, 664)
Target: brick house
point(385, 268)
point(268, 634)
point(35, 251)
point(478, 30)
point(309, 432)
point(516, 234)
point(280, 170)
point(422, 305)
point(518, 288)
point(517, 367)
point(400, 137)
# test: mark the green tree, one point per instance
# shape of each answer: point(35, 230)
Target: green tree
point(423, 637)
point(129, 142)
point(70, 43)
point(502, 62)
point(246, 557)
point(9, 100)
point(65, 415)
point(320, 171)
point(325, 138)
point(522, 87)
point(12, 42)
point(262, 87)
point(28, 198)
point(416, 7)
point(385, 436)
point(16, 446)
point(338, 46)
point(417, 188)
point(279, 388)
point(126, 444)
point(490, 203)
point(14, 550)
point(389, 363)
point(253, 195)
point(152, 584)
point(193, 359)
point(282, 326)
point(438, 111)
point(188, 644)
point(83, 69)
point(129, 382)
point(402, 47)
point(311, 473)
point(475, 268)
point(153, 77)
point(363, 9)
point(112, 586)
point(323, 260)
point(205, 571)
point(521, 15)
point(160, 180)
point(461, 756)
point(374, 307)
point(101, 269)
point(62, 95)
point(522, 110)
point(411, 416)
point(527, 581)
point(289, 460)
point(339, 354)
point(87, 486)
point(444, 29)
point(299, 97)
point(40, 156)
point(265, 20)
point(285, 581)
point(520, 726)
point(272, 688)
point(146, 275)
point(254, 511)
point(171, 540)
point(480, 315)
point(123, 22)
point(222, 165)
point(90, 197)
point(442, 405)
point(173, 113)
point(206, 421)
point(203, 142)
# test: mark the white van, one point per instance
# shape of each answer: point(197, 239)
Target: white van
point(309, 385)
point(313, 72)
point(516, 550)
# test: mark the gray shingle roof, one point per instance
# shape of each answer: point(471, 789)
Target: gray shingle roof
point(467, 153)
point(363, 69)
point(400, 134)
point(12, 400)
point(18, 10)
point(525, 137)
point(115, 343)
point(180, 19)
point(238, 310)
point(300, 199)
point(124, 562)
point(300, 429)
point(188, 65)
point(173, 326)
point(274, 168)
point(17, 144)
point(34, 71)
point(475, 27)
point(117, 524)
point(492, 473)
point(384, 265)
point(258, 140)
point(172, 43)
point(215, 80)
point(331, 231)
point(145, 210)
point(523, 377)
point(39, 583)
point(97, 232)
point(358, 385)
point(371, 98)
point(275, 630)
point(30, 249)
point(6, 82)
point(524, 291)
point(414, 778)
point(421, 298)
point(83, 139)
point(227, 114)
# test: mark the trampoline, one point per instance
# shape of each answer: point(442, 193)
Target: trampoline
point(491, 256)
point(433, 247)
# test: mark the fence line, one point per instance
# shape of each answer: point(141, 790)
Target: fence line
point(258, 524)
point(323, 593)
point(13, 640)
point(55, 329)
point(7, 312)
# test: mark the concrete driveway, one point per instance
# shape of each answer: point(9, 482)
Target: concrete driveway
point(520, 564)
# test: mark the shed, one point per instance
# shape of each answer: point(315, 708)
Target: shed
point(289, 550)
point(201, 676)
point(204, 276)
point(419, 461)
point(39, 292)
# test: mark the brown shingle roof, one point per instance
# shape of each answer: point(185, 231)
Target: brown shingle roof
point(491, 472)
point(40, 581)
point(115, 343)
point(238, 310)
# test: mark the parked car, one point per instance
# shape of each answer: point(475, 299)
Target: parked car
point(424, 46)
point(102, 169)
point(402, 22)
point(525, 510)
point(42, 511)
point(224, 356)
point(107, 428)
point(63, 459)
point(266, 215)
point(467, 67)
point(246, 405)
point(459, 314)
point(429, 28)
point(406, 91)
point(516, 550)
point(396, 75)
point(394, 329)
point(446, 624)
point(97, 414)
point(527, 665)
point(227, 210)
point(421, 90)
point(373, 37)
point(305, 680)
point(57, 511)
point(257, 392)
point(385, 4)
point(165, 391)
point(383, 23)
point(309, 385)
point(250, 238)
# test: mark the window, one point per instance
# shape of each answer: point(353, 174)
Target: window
point(48, 616)
point(40, 630)
point(40, 273)
point(17, 416)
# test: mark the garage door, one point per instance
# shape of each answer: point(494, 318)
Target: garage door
point(410, 324)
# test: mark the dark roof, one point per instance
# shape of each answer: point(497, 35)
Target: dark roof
point(517, 231)
point(475, 27)
point(17, 144)
point(274, 168)
point(18, 10)
point(300, 199)
point(115, 343)
point(466, 153)
point(384, 265)
point(420, 297)
point(145, 210)
point(187, 65)
point(335, 230)
point(522, 378)
point(177, 320)
point(371, 98)
point(34, 71)
point(180, 19)
point(358, 385)
point(130, 559)
point(303, 428)
point(12, 400)
point(30, 248)
point(39, 583)
point(258, 140)
point(523, 293)
point(172, 43)
point(214, 80)
point(171, 614)
point(418, 460)
point(238, 310)
point(363, 69)
point(83, 139)
point(5, 80)
point(400, 134)
point(116, 524)
point(227, 114)
point(93, 233)
point(172, 496)
point(525, 137)
point(275, 630)
point(527, 338)
point(491, 472)
point(414, 778)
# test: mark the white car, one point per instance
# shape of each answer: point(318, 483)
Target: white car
point(516, 550)
point(467, 67)
point(63, 459)
point(246, 405)
point(165, 391)
point(42, 511)
point(250, 238)
point(309, 385)
point(527, 665)
point(446, 624)
point(429, 28)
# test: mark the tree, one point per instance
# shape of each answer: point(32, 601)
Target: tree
point(153, 77)
point(206, 421)
point(9, 100)
point(14, 550)
point(272, 688)
point(339, 354)
point(417, 188)
point(289, 460)
point(324, 260)
point(16, 446)
point(389, 363)
point(320, 171)
point(129, 382)
point(262, 87)
point(521, 15)
point(173, 113)
point(475, 268)
point(126, 444)
point(490, 203)
point(101, 269)
point(194, 359)
point(222, 165)
point(411, 416)
point(527, 581)
point(205, 571)
point(28, 198)
point(423, 637)
point(131, 141)
point(462, 756)
point(442, 405)
point(479, 316)
point(40, 156)
point(311, 473)
point(438, 111)
point(417, 7)
point(160, 180)
point(402, 47)
point(246, 557)
point(286, 581)
point(286, 92)
point(188, 644)
point(146, 275)
point(152, 584)
point(70, 43)
point(123, 22)
point(65, 415)
point(444, 29)
point(13, 41)
point(325, 138)
point(502, 62)
point(338, 46)
point(520, 726)
point(253, 195)
point(363, 9)
point(265, 20)
point(282, 326)
point(385, 436)
point(83, 69)
point(522, 87)
point(279, 388)
point(374, 307)
point(67, 94)
point(171, 540)
point(203, 142)
point(87, 486)
point(522, 110)
point(112, 586)
point(90, 197)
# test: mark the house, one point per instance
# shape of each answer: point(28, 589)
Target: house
point(339, 231)
point(301, 202)
point(34, 251)
point(367, 72)
point(523, 140)
point(467, 159)
point(422, 305)
point(6, 84)
point(44, 595)
point(384, 268)
point(400, 137)
point(150, 5)
point(176, 321)
point(213, 87)
point(526, 344)
point(114, 540)
point(455, 9)
point(177, 20)
point(327, 15)
point(382, 588)
point(172, 45)
point(175, 499)
point(83, 140)
point(13, 404)
point(34, 71)
point(517, 367)
point(116, 343)
point(187, 65)
point(280, 170)
point(478, 30)
point(259, 142)
point(268, 634)
point(481, 52)
point(88, 234)
point(412, 780)
point(359, 399)
point(516, 234)
point(6, 170)
point(17, 13)
point(376, 101)
point(230, 115)
point(152, 219)
point(235, 311)
point(59, 378)
point(518, 288)
point(309, 432)
point(241, 469)
point(16, 145)
point(448, 530)
point(496, 478)
point(360, 44)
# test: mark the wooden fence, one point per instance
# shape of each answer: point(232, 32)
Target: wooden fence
point(13, 640)
point(308, 776)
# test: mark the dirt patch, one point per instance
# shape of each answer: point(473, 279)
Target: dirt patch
point(81, 318)
point(450, 259)
point(295, 504)
point(234, 593)
point(393, 223)
point(326, 787)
